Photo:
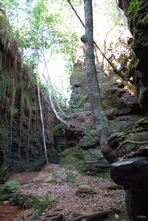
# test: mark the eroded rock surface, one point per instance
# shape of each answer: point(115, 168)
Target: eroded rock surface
point(136, 13)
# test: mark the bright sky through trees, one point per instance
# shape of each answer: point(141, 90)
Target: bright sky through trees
point(51, 28)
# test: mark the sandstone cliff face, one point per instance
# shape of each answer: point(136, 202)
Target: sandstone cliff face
point(136, 13)
point(130, 171)
point(118, 98)
point(121, 106)
point(21, 143)
point(122, 109)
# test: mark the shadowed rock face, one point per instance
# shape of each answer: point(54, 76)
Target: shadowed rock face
point(138, 24)
point(132, 173)
point(124, 4)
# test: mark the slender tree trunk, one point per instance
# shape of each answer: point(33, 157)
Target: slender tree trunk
point(21, 121)
point(12, 111)
point(42, 120)
point(48, 81)
point(102, 125)
point(29, 130)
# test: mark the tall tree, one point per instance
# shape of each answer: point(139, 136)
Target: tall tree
point(102, 124)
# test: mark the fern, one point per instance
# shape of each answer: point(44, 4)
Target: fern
point(58, 127)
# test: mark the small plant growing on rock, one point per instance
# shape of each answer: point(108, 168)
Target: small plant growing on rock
point(58, 127)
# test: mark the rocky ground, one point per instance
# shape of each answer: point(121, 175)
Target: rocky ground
point(74, 194)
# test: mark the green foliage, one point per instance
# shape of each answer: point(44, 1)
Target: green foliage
point(40, 205)
point(133, 6)
point(38, 28)
point(10, 187)
point(58, 127)
point(70, 177)
point(123, 57)
point(41, 27)
point(8, 190)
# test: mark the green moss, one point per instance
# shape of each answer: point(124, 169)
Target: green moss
point(106, 103)
point(74, 158)
point(131, 146)
point(90, 129)
point(108, 106)
point(115, 126)
point(87, 157)
point(140, 136)
point(134, 4)
point(133, 64)
point(69, 159)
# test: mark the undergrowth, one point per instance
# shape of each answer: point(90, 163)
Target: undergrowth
point(10, 187)
point(40, 205)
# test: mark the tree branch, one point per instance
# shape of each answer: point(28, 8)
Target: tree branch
point(118, 72)
point(76, 13)
point(50, 91)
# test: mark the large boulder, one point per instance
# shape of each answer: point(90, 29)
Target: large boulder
point(132, 175)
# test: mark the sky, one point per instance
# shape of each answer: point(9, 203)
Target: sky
point(58, 74)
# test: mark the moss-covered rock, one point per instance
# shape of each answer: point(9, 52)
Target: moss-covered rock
point(21, 141)
point(88, 142)
point(85, 161)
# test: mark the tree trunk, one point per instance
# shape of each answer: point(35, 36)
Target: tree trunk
point(102, 125)
point(49, 87)
point(42, 120)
